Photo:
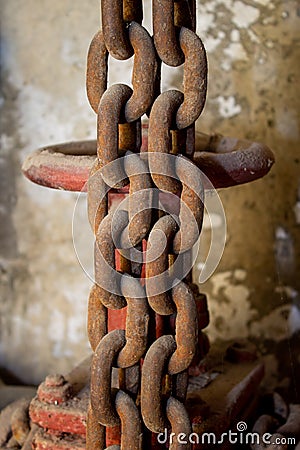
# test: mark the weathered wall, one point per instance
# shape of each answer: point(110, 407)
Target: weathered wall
point(253, 58)
point(253, 49)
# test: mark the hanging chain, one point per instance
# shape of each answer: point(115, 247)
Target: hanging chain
point(147, 242)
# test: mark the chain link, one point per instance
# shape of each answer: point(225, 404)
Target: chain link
point(153, 373)
point(101, 375)
point(97, 317)
point(109, 117)
point(194, 79)
point(165, 26)
point(186, 326)
point(144, 72)
point(160, 140)
point(97, 70)
point(148, 244)
point(191, 206)
point(180, 423)
point(140, 201)
point(95, 439)
point(157, 276)
point(105, 262)
point(137, 320)
point(97, 197)
point(114, 29)
point(131, 423)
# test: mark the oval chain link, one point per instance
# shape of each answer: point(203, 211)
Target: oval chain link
point(97, 197)
point(95, 436)
point(101, 372)
point(160, 140)
point(154, 369)
point(137, 320)
point(144, 72)
point(165, 20)
point(186, 327)
point(114, 29)
point(105, 264)
point(180, 423)
point(191, 205)
point(157, 278)
point(153, 373)
point(109, 116)
point(140, 200)
point(194, 79)
point(131, 424)
point(97, 68)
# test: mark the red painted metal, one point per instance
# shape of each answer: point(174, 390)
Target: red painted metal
point(225, 161)
point(67, 417)
point(54, 390)
point(63, 425)
point(45, 441)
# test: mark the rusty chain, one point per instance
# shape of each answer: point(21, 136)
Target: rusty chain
point(168, 16)
point(138, 233)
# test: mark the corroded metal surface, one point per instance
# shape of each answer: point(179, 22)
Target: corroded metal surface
point(154, 370)
point(131, 424)
point(157, 276)
point(160, 140)
point(101, 395)
point(186, 329)
point(164, 27)
point(194, 79)
point(137, 320)
point(224, 160)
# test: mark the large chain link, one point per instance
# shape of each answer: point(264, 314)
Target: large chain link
point(162, 357)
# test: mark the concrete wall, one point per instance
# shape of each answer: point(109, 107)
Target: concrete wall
point(253, 56)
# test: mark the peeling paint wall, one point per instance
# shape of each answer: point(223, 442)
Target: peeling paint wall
point(43, 289)
point(253, 54)
point(253, 50)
